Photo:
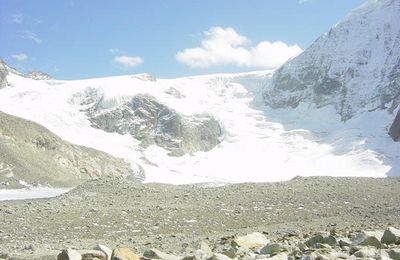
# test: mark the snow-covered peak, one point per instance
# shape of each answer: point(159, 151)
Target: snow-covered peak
point(355, 66)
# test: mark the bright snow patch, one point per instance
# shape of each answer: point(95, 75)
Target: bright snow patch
point(30, 193)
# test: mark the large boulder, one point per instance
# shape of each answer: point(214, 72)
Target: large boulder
point(252, 241)
point(391, 236)
point(394, 130)
point(124, 254)
point(368, 238)
point(152, 122)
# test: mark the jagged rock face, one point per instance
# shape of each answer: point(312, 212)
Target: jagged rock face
point(31, 153)
point(151, 122)
point(37, 75)
point(394, 130)
point(355, 66)
point(3, 74)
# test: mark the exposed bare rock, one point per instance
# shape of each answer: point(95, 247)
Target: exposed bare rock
point(31, 153)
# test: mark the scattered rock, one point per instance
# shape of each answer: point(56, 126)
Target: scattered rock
point(366, 252)
point(69, 254)
point(391, 236)
point(281, 256)
point(313, 241)
point(252, 241)
point(156, 254)
point(365, 238)
point(217, 256)
point(394, 253)
point(92, 254)
point(205, 248)
point(271, 249)
point(107, 251)
point(330, 240)
point(123, 254)
point(344, 242)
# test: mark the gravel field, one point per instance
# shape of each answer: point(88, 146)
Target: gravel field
point(176, 219)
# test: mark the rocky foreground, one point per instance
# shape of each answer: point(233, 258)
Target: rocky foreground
point(305, 218)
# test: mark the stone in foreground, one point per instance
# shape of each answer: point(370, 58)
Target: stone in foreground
point(365, 238)
point(391, 236)
point(124, 254)
point(69, 254)
point(251, 241)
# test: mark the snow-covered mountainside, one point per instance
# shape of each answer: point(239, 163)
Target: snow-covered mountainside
point(235, 137)
point(355, 66)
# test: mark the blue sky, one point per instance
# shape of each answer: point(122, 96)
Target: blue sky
point(75, 39)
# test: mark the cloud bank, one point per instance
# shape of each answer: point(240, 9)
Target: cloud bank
point(29, 35)
point(224, 46)
point(20, 57)
point(127, 61)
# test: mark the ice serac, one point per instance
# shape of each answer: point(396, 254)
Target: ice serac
point(152, 122)
point(355, 66)
point(31, 153)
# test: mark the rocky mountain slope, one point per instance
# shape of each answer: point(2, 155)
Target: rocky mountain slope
point(151, 122)
point(355, 67)
point(32, 155)
point(3, 74)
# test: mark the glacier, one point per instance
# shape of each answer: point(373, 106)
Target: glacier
point(258, 143)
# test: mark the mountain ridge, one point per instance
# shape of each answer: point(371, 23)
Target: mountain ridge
point(355, 66)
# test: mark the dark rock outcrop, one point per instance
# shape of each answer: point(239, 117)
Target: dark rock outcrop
point(3, 74)
point(151, 122)
point(38, 75)
point(394, 130)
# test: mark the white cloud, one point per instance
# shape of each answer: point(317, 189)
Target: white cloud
point(224, 46)
point(29, 35)
point(127, 61)
point(305, 1)
point(113, 50)
point(17, 18)
point(20, 57)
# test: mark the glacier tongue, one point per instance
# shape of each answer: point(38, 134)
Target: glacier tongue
point(257, 143)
